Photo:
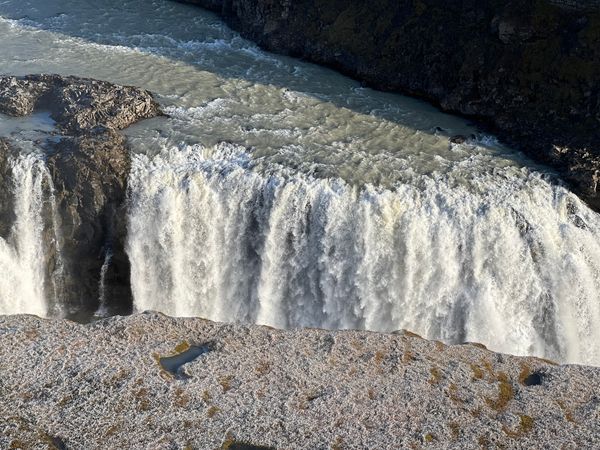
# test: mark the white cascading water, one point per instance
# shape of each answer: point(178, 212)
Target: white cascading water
point(22, 255)
point(102, 308)
point(510, 260)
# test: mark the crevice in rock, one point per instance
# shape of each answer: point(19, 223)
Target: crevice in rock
point(533, 379)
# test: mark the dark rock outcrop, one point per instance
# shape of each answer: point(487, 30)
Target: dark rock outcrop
point(89, 163)
point(529, 69)
point(90, 172)
point(7, 210)
point(76, 104)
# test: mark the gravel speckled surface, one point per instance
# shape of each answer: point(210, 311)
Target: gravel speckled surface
point(65, 385)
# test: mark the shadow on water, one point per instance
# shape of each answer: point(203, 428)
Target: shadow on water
point(200, 41)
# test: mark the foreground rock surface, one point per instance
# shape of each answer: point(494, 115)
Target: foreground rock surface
point(104, 385)
point(89, 163)
point(528, 68)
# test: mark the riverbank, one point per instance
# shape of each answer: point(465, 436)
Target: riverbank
point(105, 385)
point(529, 70)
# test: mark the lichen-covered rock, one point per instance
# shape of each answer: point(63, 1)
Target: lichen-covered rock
point(528, 68)
point(105, 385)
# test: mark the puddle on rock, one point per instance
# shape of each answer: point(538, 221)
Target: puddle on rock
point(185, 353)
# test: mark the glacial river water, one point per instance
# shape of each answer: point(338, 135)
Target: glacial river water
point(282, 193)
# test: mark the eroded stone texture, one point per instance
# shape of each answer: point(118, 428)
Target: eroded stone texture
point(76, 104)
point(101, 386)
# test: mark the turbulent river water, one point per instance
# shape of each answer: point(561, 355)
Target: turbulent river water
point(282, 193)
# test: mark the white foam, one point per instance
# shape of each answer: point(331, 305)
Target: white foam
point(504, 264)
point(22, 254)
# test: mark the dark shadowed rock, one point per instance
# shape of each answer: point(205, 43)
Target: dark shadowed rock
point(89, 164)
point(458, 139)
point(7, 210)
point(90, 180)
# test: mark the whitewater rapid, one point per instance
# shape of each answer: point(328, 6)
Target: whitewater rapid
point(282, 193)
point(507, 259)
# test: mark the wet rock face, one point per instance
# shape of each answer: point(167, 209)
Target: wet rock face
point(89, 163)
point(7, 210)
point(90, 172)
point(530, 69)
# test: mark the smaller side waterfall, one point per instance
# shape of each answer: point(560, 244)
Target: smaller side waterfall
point(25, 253)
point(102, 308)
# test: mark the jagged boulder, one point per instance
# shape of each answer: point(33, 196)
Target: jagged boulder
point(76, 104)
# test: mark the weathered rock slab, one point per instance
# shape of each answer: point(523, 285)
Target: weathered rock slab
point(101, 385)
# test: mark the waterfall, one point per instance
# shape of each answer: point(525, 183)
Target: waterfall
point(397, 229)
point(23, 255)
point(507, 259)
point(102, 308)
